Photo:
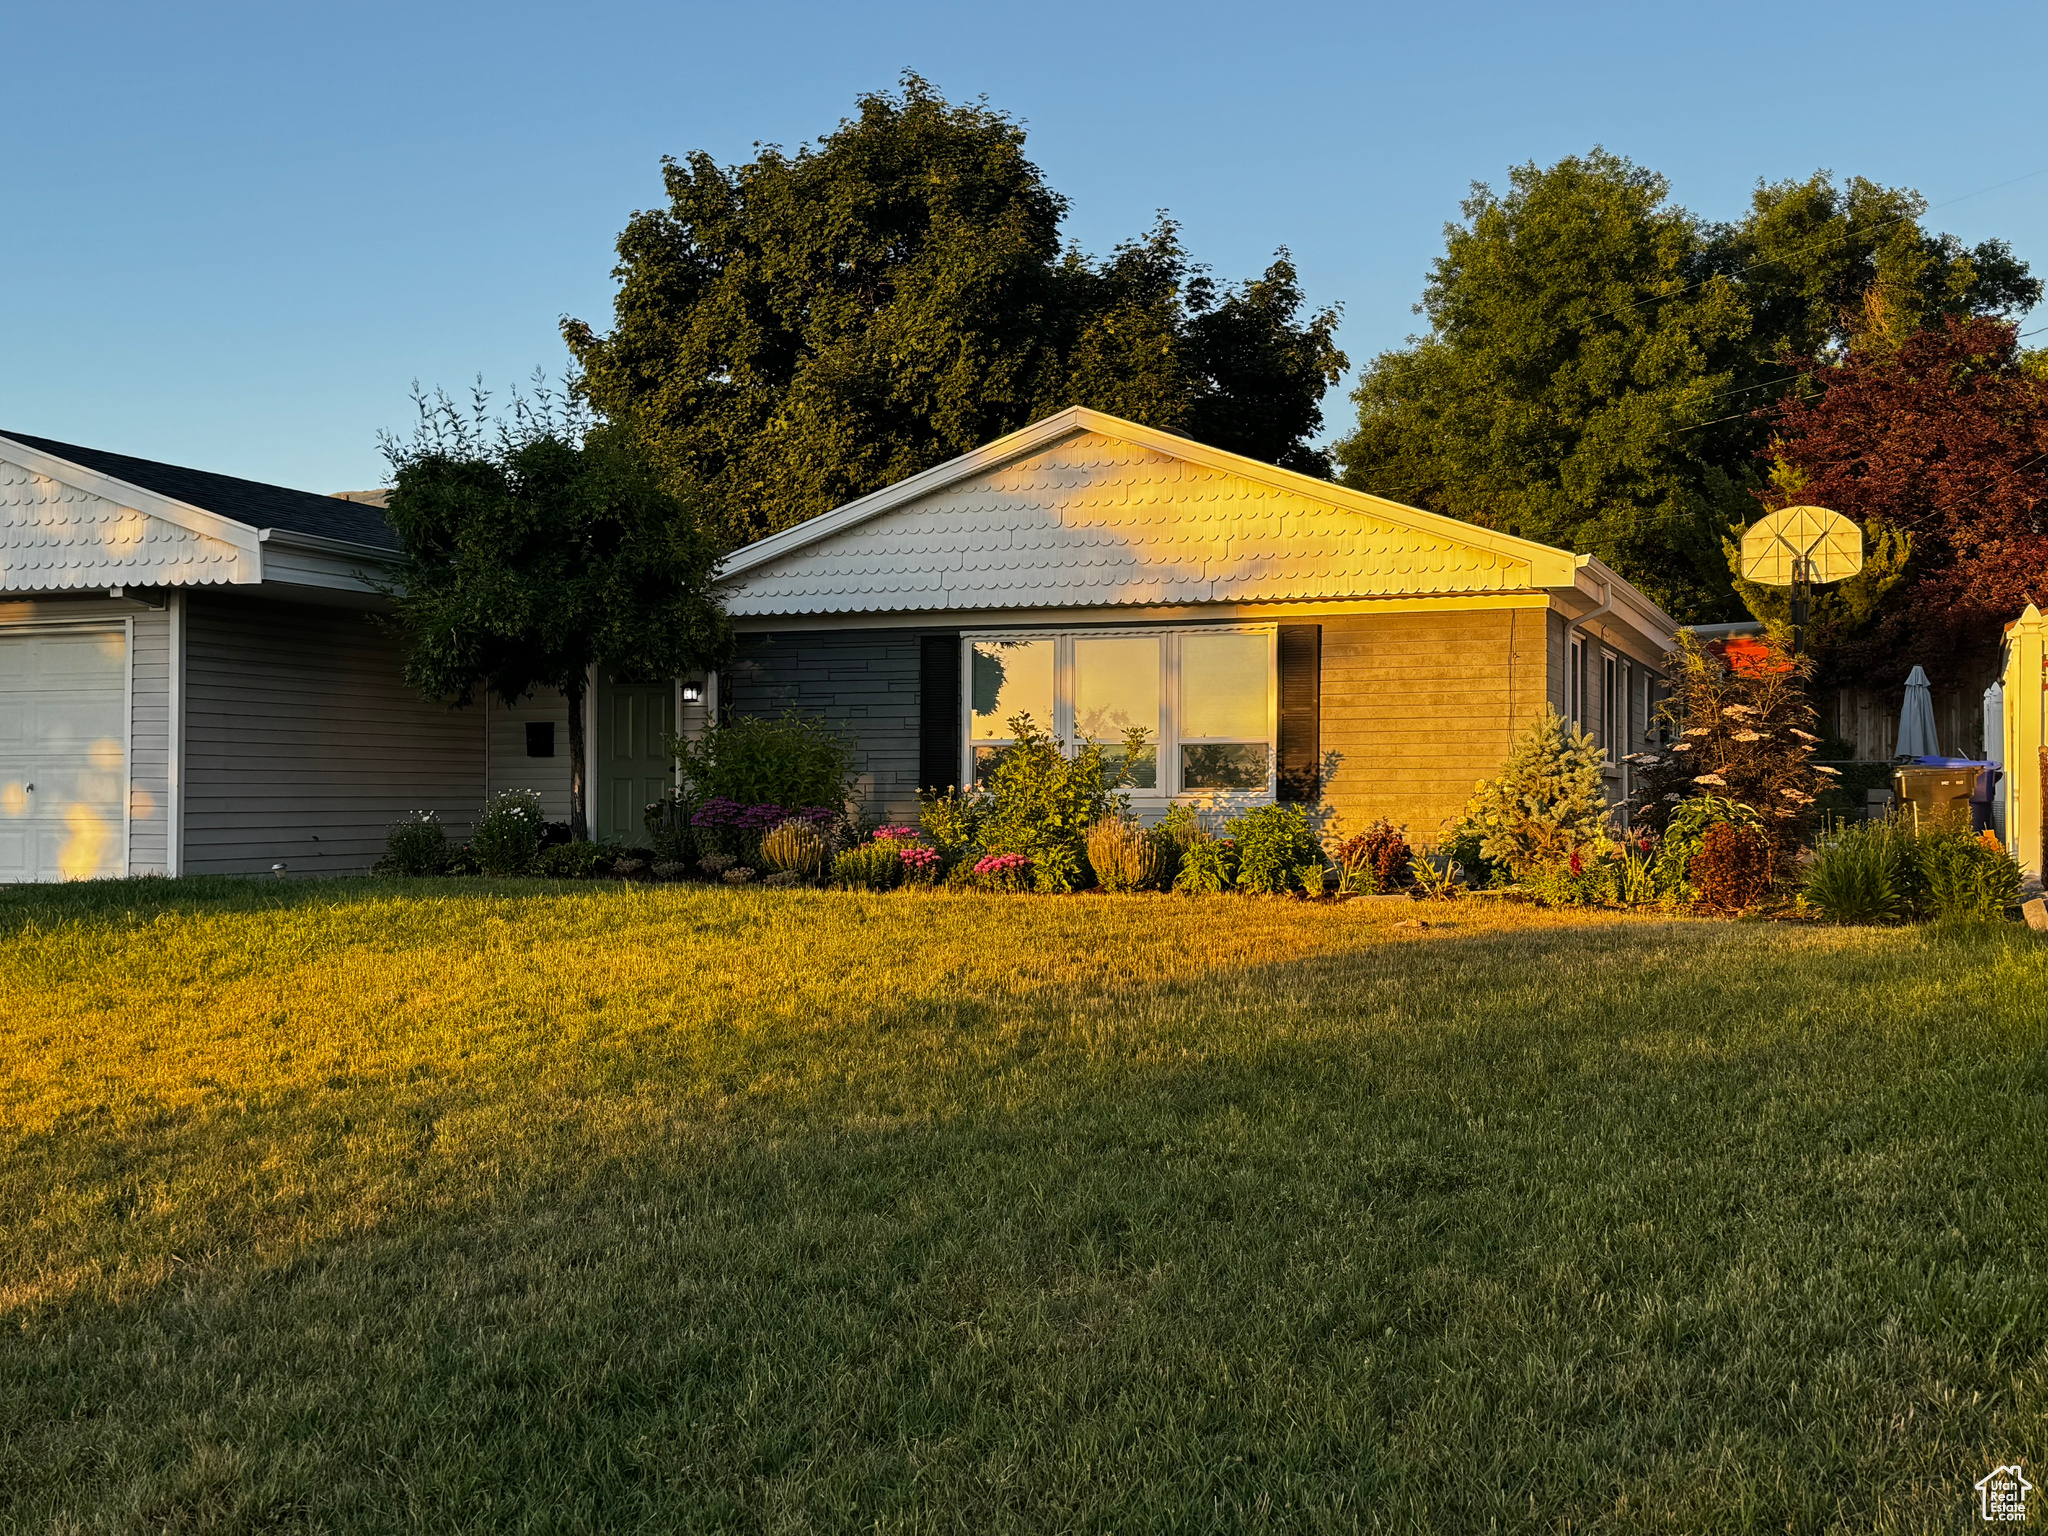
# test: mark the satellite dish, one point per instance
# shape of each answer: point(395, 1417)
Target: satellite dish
point(1801, 543)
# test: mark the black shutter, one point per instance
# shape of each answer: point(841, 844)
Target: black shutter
point(1301, 713)
point(938, 711)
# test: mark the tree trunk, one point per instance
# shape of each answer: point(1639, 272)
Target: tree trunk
point(579, 824)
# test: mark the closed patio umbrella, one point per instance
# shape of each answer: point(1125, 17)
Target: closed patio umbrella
point(1916, 719)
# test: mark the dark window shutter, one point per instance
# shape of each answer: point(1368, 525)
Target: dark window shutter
point(938, 711)
point(1301, 713)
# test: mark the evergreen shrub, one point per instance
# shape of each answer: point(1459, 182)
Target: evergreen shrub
point(1549, 801)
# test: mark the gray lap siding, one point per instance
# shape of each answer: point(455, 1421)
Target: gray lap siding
point(864, 681)
point(303, 743)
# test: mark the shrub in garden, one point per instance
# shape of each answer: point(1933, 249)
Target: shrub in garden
point(1743, 732)
point(727, 826)
point(1584, 877)
point(1635, 881)
point(951, 820)
point(1548, 802)
point(507, 835)
point(574, 861)
point(1126, 856)
point(1377, 859)
point(1208, 867)
point(1461, 841)
point(1041, 803)
point(798, 760)
point(415, 845)
point(1003, 872)
point(795, 846)
point(1854, 877)
point(1274, 842)
point(1685, 833)
point(1438, 877)
point(1966, 876)
point(921, 865)
point(1732, 871)
point(669, 832)
point(868, 867)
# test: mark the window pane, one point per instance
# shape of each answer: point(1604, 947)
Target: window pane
point(1224, 765)
point(1223, 686)
point(985, 760)
point(1116, 686)
point(1011, 677)
point(1144, 772)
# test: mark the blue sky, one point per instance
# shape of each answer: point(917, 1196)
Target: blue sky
point(237, 233)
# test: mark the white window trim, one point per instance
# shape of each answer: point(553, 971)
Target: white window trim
point(1168, 740)
point(1610, 696)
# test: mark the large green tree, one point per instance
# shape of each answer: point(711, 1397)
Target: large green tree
point(536, 553)
point(805, 328)
point(1596, 356)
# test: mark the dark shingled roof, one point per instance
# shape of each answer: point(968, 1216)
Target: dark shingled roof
point(244, 501)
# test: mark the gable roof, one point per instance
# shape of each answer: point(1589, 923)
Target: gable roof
point(248, 502)
point(1085, 509)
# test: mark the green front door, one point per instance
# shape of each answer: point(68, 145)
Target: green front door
point(634, 722)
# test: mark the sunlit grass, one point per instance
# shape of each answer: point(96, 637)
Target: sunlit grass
point(368, 1207)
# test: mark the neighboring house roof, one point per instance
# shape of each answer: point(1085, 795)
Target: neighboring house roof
point(1085, 509)
point(74, 519)
point(249, 502)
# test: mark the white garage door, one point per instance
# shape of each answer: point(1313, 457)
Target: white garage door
point(63, 759)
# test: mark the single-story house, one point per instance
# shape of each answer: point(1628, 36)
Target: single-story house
point(192, 678)
point(193, 681)
point(1277, 636)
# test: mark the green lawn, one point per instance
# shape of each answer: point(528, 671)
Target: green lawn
point(367, 1206)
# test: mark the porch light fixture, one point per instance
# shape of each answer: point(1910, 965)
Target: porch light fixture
point(693, 693)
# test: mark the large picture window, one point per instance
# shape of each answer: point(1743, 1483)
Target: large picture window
point(1203, 697)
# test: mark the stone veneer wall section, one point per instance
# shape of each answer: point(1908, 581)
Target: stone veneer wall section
point(864, 681)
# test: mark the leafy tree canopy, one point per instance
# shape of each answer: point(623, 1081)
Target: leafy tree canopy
point(537, 552)
point(803, 329)
point(1939, 447)
point(1596, 356)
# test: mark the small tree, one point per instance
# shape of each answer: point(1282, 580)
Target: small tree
point(539, 551)
point(1548, 801)
point(1740, 728)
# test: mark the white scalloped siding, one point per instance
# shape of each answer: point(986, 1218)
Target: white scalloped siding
point(55, 537)
point(1096, 520)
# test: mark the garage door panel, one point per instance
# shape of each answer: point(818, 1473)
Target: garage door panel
point(65, 659)
point(63, 783)
point(64, 726)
